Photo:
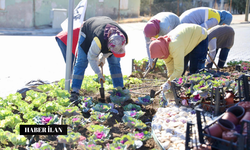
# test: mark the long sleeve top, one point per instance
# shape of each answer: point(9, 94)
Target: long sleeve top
point(184, 38)
point(203, 16)
point(221, 36)
point(168, 21)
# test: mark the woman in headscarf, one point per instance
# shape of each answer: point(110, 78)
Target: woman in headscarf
point(99, 35)
point(159, 25)
point(206, 17)
point(186, 43)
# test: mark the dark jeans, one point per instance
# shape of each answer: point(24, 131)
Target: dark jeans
point(222, 58)
point(63, 49)
point(196, 57)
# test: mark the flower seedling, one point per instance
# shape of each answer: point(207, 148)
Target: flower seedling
point(100, 133)
point(46, 119)
point(69, 111)
point(132, 107)
point(41, 145)
point(146, 100)
point(100, 116)
point(91, 145)
point(86, 103)
point(134, 114)
point(102, 107)
point(75, 121)
point(70, 138)
point(119, 96)
point(133, 123)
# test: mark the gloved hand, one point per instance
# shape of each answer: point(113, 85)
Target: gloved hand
point(150, 63)
point(101, 77)
point(101, 60)
point(166, 86)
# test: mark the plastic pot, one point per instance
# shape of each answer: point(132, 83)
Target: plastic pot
point(238, 111)
point(246, 116)
point(231, 117)
point(229, 98)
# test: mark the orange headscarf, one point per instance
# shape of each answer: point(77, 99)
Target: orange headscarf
point(159, 47)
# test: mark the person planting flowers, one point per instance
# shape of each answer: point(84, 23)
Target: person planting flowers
point(219, 37)
point(159, 25)
point(206, 17)
point(99, 35)
point(186, 43)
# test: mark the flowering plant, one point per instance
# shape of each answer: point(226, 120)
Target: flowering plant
point(119, 96)
point(134, 114)
point(46, 119)
point(132, 107)
point(70, 138)
point(102, 107)
point(69, 111)
point(115, 146)
point(100, 133)
point(133, 123)
point(146, 100)
point(245, 65)
point(100, 116)
point(143, 136)
point(86, 103)
point(125, 140)
point(75, 121)
point(91, 145)
point(41, 145)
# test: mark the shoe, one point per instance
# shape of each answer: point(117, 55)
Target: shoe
point(74, 97)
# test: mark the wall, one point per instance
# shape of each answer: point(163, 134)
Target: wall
point(110, 8)
point(36, 13)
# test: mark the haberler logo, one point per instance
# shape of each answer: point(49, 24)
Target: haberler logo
point(43, 129)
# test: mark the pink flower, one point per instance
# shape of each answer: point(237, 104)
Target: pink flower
point(46, 120)
point(133, 114)
point(91, 145)
point(119, 147)
point(99, 135)
point(180, 81)
point(139, 135)
point(38, 144)
point(68, 110)
point(75, 119)
point(101, 115)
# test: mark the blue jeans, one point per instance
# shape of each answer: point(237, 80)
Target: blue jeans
point(63, 49)
point(222, 58)
point(196, 57)
point(82, 63)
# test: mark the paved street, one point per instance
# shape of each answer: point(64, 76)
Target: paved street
point(30, 57)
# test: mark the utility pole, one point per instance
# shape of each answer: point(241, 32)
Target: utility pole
point(247, 10)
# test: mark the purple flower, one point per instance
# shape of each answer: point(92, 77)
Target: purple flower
point(180, 81)
point(197, 97)
point(118, 94)
point(133, 109)
point(145, 100)
point(46, 120)
point(99, 135)
point(86, 104)
point(123, 141)
point(38, 144)
point(139, 135)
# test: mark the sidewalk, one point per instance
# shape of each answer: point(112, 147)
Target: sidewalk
point(47, 30)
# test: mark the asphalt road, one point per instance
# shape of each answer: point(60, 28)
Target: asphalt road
point(24, 58)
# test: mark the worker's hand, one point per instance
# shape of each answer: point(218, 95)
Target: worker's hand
point(101, 60)
point(101, 78)
point(166, 86)
point(150, 63)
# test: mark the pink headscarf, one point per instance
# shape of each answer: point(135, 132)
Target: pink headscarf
point(159, 47)
point(152, 28)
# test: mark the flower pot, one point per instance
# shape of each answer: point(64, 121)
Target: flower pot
point(231, 117)
point(245, 105)
point(214, 130)
point(229, 136)
point(229, 98)
point(226, 125)
point(238, 111)
point(246, 116)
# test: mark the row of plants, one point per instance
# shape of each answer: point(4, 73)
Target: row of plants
point(52, 101)
point(141, 65)
point(197, 88)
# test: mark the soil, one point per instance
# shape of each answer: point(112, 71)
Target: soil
point(152, 81)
